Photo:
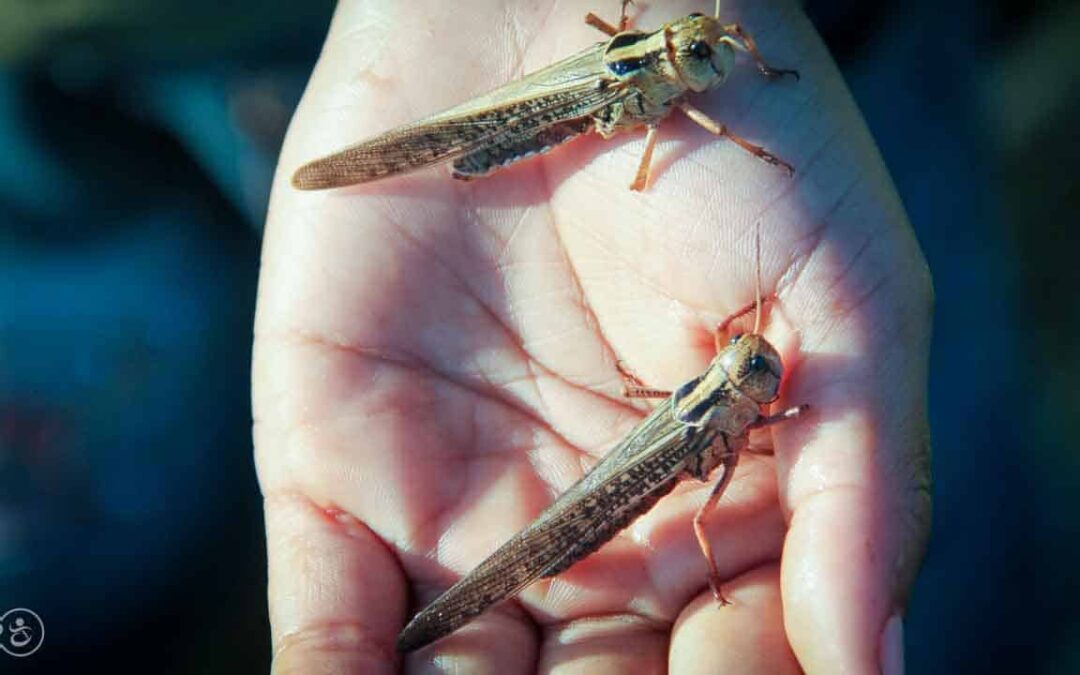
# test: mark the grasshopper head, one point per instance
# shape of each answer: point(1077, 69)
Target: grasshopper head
point(753, 366)
point(701, 50)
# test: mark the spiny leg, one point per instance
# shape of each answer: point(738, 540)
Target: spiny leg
point(633, 387)
point(728, 463)
point(720, 130)
point(769, 420)
point(605, 27)
point(722, 328)
point(601, 25)
point(783, 416)
point(624, 16)
point(630, 391)
point(641, 180)
point(750, 46)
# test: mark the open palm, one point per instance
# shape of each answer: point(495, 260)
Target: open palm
point(436, 361)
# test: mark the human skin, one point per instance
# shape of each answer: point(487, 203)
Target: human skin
point(435, 361)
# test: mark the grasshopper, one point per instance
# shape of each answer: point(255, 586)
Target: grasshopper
point(703, 424)
point(633, 79)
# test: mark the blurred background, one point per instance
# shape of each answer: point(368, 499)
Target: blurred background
point(137, 142)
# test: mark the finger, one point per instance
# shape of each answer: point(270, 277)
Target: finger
point(501, 640)
point(858, 488)
point(854, 475)
point(746, 636)
point(610, 644)
point(337, 596)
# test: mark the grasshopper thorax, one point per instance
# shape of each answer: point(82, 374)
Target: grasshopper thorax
point(700, 50)
point(753, 367)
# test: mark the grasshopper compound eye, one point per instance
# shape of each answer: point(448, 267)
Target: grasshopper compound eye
point(701, 50)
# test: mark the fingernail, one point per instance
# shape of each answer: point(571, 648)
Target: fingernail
point(892, 646)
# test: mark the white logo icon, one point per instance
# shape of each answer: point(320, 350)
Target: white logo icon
point(21, 632)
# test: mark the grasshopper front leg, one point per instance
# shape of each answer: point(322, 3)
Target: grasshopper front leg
point(633, 387)
point(605, 27)
point(747, 43)
point(721, 130)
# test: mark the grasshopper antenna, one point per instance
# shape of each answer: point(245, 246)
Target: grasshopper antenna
point(722, 328)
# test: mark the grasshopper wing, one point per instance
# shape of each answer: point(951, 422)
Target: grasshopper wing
point(626, 483)
point(562, 93)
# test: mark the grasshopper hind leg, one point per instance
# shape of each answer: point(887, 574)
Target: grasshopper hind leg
point(515, 148)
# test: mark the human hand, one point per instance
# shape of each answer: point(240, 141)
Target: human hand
point(435, 362)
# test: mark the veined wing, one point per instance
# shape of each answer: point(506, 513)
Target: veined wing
point(626, 483)
point(567, 90)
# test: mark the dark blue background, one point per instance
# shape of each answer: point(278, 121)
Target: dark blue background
point(136, 146)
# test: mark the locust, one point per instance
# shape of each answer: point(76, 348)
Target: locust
point(633, 79)
point(702, 425)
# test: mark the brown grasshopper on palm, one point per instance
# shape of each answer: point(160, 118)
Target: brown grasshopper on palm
point(634, 79)
point(702, 425)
